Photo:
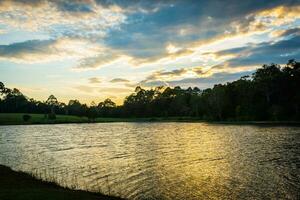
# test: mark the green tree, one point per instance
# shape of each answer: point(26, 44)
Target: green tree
point(52, 103)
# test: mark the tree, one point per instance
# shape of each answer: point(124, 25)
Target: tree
point(2, 88)
point(106, 108)
point(52, 102)
point(270, 93)
point(92, 111)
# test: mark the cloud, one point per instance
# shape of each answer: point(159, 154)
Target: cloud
point(153, 83)
point(167, 74)
point(286, 32)
point(97, 90)
point(201, 82)
point(97, 61)
point(140, 6)
point(37, 51)
point(207, 82)
point(268, 18)
point(162, 57)
point(145, 41)
point(243, 60)
point(94, 80)
point(60, 18)
point(173, 73)
point(161, 77)
point(147, 35)
point(119, 80)
point(161, 34)
point(2, 31)
point(131, 85)
point(263, 53)
point(227, 52)
point(29, 50)
point(280, 15)
point(85, 88)
point(198, 70)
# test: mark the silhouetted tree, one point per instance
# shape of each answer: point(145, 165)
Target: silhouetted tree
point(52, 102)
point(271, 93)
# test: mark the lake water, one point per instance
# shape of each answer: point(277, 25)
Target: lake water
point(160, 160)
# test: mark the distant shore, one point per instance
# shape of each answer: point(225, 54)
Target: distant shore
point(17, 119)
point(19, 185)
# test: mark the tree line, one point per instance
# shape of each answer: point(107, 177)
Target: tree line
point(270, 93)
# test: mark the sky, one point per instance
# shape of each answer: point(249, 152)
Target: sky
point(95, 49)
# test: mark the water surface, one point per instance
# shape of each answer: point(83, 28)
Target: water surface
point(160, 160)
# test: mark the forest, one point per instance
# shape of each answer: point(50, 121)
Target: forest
point(270, 93)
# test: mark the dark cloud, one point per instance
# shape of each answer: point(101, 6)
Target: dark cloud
point(288, 32)
point(74, 6)
point(157, 78)
point(94, 80)
point(175, 72)
point(119, 80)
point(165, 74)
point(153, 83)
point(27, 2)
point(201, 82)
point(146, 34)
point(251, 55)
point(31, 47)
point(264, 53)
point(63, 5)
point(150, 25)
point(209, 81)
point(87, 6)
point(136, 5)
point(198, 70)
point(227, 51)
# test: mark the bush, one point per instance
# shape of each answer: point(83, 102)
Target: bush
point(51, 116)
point(26, 118)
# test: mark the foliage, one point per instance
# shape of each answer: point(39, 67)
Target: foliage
point(26, 118)
point(271, 93)
point(51, 116)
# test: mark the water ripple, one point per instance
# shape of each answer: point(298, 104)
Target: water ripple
point(160, 160)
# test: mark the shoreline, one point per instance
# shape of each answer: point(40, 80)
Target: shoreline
point(38, 119)
point(19, 185)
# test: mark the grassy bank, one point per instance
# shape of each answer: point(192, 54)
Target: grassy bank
point(17, 119)
point(21, 186)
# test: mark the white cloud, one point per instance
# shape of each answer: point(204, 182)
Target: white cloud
point(38, 51)
point(44, 15)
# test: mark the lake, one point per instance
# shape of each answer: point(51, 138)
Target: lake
point(160, 160)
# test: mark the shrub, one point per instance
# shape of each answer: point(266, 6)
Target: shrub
point(26, 118)
point(51, 116)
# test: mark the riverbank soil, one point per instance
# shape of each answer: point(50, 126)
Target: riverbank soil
point(21, 186)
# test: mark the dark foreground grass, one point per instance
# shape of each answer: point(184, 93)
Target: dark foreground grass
point(17, 119)
point(21, 186)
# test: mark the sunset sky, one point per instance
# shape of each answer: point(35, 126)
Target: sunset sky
point(91, 49)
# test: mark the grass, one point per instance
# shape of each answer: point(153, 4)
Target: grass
point(22, 186)
point(17, 118)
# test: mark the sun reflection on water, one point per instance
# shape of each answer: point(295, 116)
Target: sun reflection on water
point(159, 160)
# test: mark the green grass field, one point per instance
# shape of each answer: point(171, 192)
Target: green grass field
point(21, 186)
point(17, 118)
